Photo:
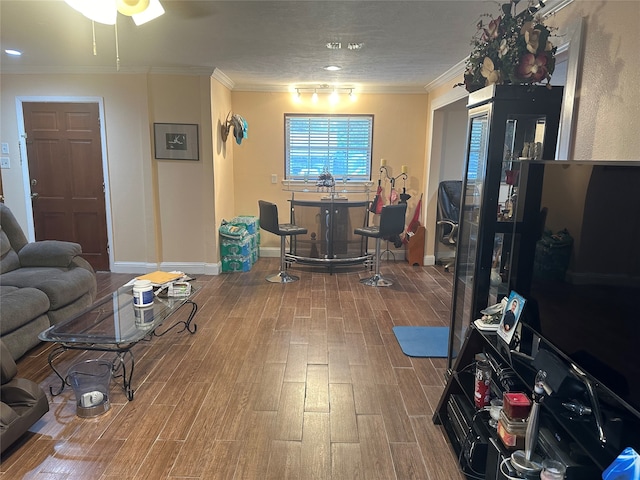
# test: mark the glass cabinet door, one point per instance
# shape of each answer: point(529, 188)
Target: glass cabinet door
point(468, 228)
point(524, 140)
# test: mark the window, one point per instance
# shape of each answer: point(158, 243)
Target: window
point(340, 144)
point(477, 148)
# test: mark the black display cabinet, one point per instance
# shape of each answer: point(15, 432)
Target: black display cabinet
point(500, 220)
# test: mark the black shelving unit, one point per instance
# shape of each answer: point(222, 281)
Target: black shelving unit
point(500, 220)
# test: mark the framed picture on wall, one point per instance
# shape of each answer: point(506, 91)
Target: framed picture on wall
point(176, 141)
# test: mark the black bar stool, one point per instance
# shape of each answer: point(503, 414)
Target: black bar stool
point(392, 220)
point(269, 222)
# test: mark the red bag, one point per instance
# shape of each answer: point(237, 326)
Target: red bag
point(415, 221)
point(378, 201)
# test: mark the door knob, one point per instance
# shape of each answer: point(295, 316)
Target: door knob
point(35, 195)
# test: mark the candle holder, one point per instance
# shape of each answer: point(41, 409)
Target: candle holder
point(392, 180)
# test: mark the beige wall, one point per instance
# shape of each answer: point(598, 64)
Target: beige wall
point(223, 180)
point(608, 103)
point(161, 210)
point(184, 216)
point(399, 130)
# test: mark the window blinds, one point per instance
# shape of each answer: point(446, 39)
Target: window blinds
point(340, 144)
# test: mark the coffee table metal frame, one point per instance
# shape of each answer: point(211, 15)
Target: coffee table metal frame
point(113, 324)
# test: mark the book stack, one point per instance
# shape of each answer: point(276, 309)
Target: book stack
point(160, 278)
point(172, 284)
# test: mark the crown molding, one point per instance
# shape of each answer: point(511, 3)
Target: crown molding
point(450, 77)
point(358, 89)
point(22, 70)
point(223, 78)
point(553, 6)
point(57, 70)
point(196, 71)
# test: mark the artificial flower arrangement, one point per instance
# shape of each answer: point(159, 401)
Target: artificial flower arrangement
point(510, 49)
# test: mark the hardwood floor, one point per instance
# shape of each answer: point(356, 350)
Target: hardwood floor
point(298, 381)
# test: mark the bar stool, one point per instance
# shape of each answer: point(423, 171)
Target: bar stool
point(392, 220)
point(269, 222)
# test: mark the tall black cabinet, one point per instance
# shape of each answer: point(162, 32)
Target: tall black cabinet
point(499, 220)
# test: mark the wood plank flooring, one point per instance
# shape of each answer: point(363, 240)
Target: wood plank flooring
point(299, 381)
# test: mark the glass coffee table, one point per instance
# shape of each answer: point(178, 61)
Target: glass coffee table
point(113, 324)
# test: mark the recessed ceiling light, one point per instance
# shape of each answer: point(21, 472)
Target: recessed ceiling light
point(334, 45)
point(355, 46)
point(332, 68)
point(13, 53)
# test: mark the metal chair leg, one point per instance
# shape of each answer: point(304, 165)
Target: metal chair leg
point(282, 276)
point(377, 280)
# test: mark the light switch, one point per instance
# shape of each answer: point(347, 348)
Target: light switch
point(274, 178)
point(5, 148)
point(5, 162)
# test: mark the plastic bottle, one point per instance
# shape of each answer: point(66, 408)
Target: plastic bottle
point(142, 293)
point(482, 393)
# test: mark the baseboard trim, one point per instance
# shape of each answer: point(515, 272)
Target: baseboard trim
point(192, 268)
point(429, 260)
point(273, 252)
point(140, 268)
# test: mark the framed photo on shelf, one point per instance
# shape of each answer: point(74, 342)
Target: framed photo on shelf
point(511, 316)
point(176, 141)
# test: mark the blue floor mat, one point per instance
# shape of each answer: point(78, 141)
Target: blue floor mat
point(423, 341)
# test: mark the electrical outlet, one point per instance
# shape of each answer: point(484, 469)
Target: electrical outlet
point(5, 162)
point(274, 178)
point(5, 148)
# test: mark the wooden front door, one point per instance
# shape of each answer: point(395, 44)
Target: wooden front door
point(65, 167)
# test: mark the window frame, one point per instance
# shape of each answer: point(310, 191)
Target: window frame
point(314, 170)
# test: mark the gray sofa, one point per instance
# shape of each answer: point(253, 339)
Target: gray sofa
point(41, 283)
point(23, 401)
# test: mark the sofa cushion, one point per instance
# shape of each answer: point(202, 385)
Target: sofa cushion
point(8, 257)
point(48, 253)
point(61, 285)
point(71, 310)
point(23, 339)
point(21, 306)
point(6, 289)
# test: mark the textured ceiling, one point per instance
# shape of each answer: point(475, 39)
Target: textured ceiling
point(256, 44)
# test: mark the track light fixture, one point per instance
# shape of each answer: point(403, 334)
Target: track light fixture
point(333, 92)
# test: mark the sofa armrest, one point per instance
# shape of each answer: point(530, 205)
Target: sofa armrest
point(7, 415)
point(48, 253)
point(21, 392)
point(79, 262)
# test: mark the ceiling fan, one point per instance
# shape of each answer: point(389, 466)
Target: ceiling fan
point(106, 11)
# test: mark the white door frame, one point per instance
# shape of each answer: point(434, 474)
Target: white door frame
point(25, 164)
